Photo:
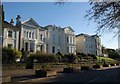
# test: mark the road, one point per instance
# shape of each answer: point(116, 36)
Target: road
point(111, 76)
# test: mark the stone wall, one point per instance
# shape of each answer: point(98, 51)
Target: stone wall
point(13, 67)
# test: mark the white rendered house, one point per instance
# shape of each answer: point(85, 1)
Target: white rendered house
point(10, 35)
point(69, 40)
point(32, 36)
point(60, 39)
point(54, 39)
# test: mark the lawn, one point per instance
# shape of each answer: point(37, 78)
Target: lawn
point(106, 59)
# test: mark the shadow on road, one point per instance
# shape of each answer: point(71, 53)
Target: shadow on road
point(111, 76)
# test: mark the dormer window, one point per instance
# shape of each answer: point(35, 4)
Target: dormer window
point(9, 33)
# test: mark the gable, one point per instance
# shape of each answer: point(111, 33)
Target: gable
point(69, 29)
point(31, 22)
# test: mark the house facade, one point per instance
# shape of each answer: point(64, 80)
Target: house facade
point(54, 39)
point(69, 40)
point(58, 39)
point(88, 44)
point(32, 37)
point(10, 35)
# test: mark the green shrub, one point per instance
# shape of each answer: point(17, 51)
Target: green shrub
point(71, 58)
point(76, 59)
point(93, 56)
point(18, 54)
point(44, 58)
point(69, 65)
point(80, 57)
point(45, 66)
point(81, 54)
point(9, 55)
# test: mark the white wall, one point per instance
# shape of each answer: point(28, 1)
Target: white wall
point(55, 38)
point(10, 40)
point(70, 46)
point(34, 38)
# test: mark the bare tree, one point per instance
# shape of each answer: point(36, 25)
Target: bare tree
point(106, 14)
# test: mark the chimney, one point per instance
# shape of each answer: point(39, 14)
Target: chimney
point(18, 22)
point(18, 17)
point(12, 21)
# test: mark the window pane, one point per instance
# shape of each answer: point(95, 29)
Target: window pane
point(15, 34)
point(53, 39)
point(67, 39)
point(9, 45)
point(31, 47)
point(59, 39)
point(30, 35)
point(27, 34)
point(53, 49)
point(41, 37)
point(33, 35)
point(9, 33)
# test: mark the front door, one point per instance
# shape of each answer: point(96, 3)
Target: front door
point(53, 49)
point(26, 46)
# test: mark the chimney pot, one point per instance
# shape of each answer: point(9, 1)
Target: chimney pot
point(18, 17)
point(12, 21)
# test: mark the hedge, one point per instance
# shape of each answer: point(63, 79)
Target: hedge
point(45, 58)
point(10, 55)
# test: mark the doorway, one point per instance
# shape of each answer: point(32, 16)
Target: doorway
point(26, 46)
